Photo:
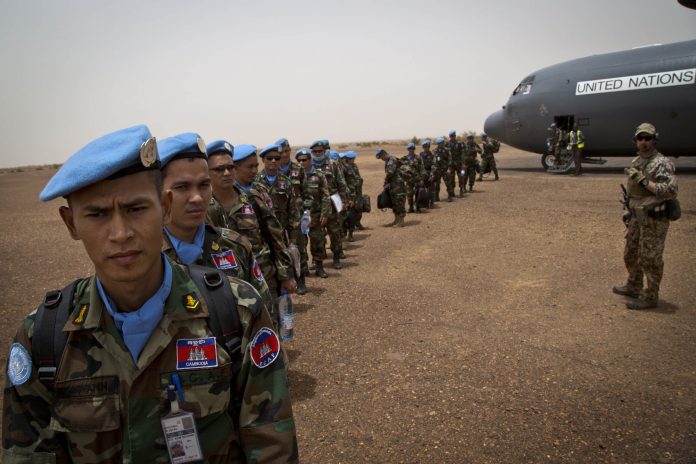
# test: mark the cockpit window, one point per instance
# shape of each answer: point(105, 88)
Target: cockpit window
point(525, 86)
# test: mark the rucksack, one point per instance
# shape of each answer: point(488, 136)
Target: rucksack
point(49, 339)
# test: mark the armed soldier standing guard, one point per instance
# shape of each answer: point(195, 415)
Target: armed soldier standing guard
point(444, 170)
point(118, 383)
point(652, 187)
point(395, 185)
point(490, 148)
point(412, 172)
point(456, 150)
point(471, 149)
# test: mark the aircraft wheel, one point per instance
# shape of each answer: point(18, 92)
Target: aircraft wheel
point(548, 160)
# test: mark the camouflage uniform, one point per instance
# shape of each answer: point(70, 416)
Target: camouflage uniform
point(647, 231)
point(490, 147)
point(284, 204)
point(444, 164)
point(456, 150)
point(359, 190)
point(106, 408)
point(294, 171)
point(396, 186)
point(315, 195)
point(470, 162)
point(337, 184)
point(217, 246)
point(412, 172)
point(353, 191)
point(252, 217)
point(429, 169)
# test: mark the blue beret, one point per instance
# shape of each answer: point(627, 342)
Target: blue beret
point(120, 153)
point(483, 135)
point(380, 151)
point(282, 142)
point(325, 142)
point(410, 145)
point(187, 145)
point(317, 143)
point(273, 147)
point(425, 142)
point(333, 154)
point(350, 154)
point(302, 151)
point(470, 135)
point(440, 140)
point(243, 151)
point(452, 132)
point(220, 146)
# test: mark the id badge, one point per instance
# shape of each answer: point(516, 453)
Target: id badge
point(182, 437)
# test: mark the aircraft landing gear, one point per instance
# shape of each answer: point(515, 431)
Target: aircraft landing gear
point(557, 164)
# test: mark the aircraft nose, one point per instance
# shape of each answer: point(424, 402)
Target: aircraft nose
point(495, 126)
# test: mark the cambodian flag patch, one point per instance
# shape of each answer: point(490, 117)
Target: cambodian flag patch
point(264, 348)
point(224, 260)
point(281, 185)
point(196, 353)
point(256, 270)
point(247, 209)
point(293, 173)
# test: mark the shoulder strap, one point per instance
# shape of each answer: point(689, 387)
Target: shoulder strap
point(222, 309)
point(49, 339)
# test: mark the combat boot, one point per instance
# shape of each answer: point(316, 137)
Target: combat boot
point(399, 222)
point(449, 198)
point(341, 254)
point(337, 263)
point(350, 236)
point(480, 178)
point(437, 196)
point(301, 288)
point(393, 222)
point(496, 177)
point(471, 188)
point(320, 272)
point(410, 207)
point(313, 266)
point(626, 291)
point(641, 304)
point(359, 226)
point(461, 192)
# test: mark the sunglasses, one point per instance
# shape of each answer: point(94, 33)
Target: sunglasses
point(644, 138)
point(272, 158)
point(221, 169)
point(302, 160)
point(317, 152)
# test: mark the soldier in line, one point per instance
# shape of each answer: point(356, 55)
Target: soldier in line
point(186, 238)
point(395, 184)
point(471, 149)
point(444, 171)
point(354, 191)
point(315, 199)
point(337, 185)
point(430, 168)
point(456, 150)
point(351, 157)
point(106, 401)
point(490, 148)
point(412, 172)
point(553, 140)
point(651, 183)
point(238, 206)
point(294, 171)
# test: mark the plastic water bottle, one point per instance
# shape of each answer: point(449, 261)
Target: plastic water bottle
point(287, 316)
point(305, 221)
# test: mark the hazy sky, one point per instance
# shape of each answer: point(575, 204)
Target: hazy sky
point(254, 71)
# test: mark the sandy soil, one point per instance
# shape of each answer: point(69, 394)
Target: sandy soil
point(485, 331)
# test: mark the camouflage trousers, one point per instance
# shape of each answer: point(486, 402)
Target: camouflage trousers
point(317, 240)
point(398, 203)
point(488, 164)
point(470, 173)
point(449, 180)
point(460, 176)
point(271, 278)
point(302, 246)
point(335, 233)
point(645, 242)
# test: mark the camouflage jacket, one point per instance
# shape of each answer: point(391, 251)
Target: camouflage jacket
point(490, 148)
point(315, 194)
point(106, 408)
point(359, 184)
point(443, 161)
point(230, 252)
point(456, 150)
point(428, 158)
point(353, 181)
point(412, 169)
point(254, 219)
point(297, 176)
point(334, 178)
point(470, 151)
point(282, 196)
point(659, 169)
point(392, 177)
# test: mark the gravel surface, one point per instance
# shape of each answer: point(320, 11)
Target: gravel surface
point(485, 331)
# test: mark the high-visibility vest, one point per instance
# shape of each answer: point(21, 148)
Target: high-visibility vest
point(576, 137)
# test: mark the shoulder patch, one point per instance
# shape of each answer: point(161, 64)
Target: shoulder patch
point(264, 348)
point(81, 315)
point(18, 364)
point(256, 270)
point(247, 209)
point(224, 260)
point(191, 303)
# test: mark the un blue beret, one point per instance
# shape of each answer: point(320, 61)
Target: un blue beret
point(333, 154)
point(470, 135)
point(120, 153)
point(243, 151)
point(220, 146)
point(425, 142)
point(302, 151)
point(440, 140)
point(282, 142)
point(452, 132)
point(410, 145)
point(380, 151)
point(187, 145)
point(270, 148)
point(325, 142)
point(350, 154)
point(317, 143)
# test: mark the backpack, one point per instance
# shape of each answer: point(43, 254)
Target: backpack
point(49, 339)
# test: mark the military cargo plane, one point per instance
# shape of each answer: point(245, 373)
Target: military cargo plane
point(606, 96)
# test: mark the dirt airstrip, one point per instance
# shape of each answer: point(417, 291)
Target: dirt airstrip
point(485, 331)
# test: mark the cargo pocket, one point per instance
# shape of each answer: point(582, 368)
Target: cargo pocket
point(87, 405)
point(206, 391)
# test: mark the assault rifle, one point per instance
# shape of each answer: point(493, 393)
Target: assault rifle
point(624, 201)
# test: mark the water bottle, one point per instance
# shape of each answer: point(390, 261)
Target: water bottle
point(305, 221)
point(287, 316)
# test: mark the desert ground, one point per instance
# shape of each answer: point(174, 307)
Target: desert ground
point(483, 332)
